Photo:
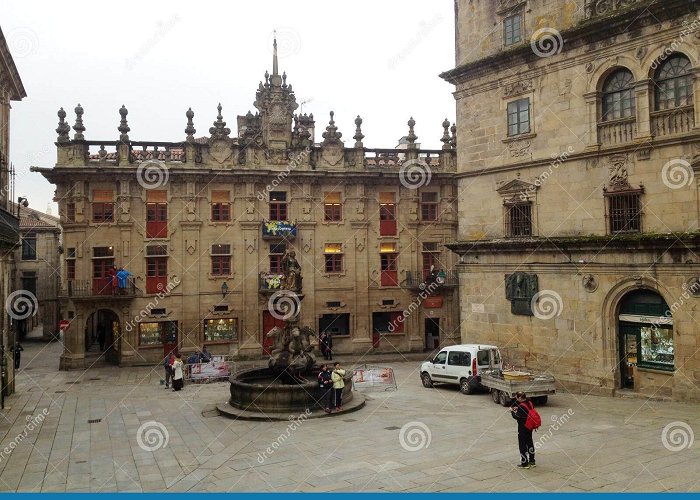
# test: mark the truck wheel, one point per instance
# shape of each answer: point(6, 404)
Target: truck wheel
point(504, 399)
point(495, 395)
point(425, 378)
point(465, 387)
point(541, 400)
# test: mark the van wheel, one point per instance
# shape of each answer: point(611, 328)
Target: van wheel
point(425, 378)
point(465, 387)
point(540, 400)
point(503, 399)
point(495, 395)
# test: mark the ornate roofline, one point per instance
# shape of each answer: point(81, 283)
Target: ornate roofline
point(10, 73)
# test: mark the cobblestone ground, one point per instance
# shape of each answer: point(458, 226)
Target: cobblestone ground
point(414, 439)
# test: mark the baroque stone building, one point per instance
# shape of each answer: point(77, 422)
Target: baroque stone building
point(202, 226)
point(11, 89)
point(38, 270)
point(578, 155)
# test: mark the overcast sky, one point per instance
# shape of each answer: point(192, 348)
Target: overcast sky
point(378, 59)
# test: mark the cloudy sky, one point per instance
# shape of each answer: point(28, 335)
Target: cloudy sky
point(378, 59)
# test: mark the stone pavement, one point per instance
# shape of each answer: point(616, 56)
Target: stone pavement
point(112, 429)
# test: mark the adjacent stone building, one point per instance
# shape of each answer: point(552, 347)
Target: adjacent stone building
point(202, 225)
point(38, 270)
point(11, 89)
point(578, 155)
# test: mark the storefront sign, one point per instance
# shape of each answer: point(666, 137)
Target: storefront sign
point(650, 320)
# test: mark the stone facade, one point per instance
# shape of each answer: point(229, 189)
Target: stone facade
point(38, 269)
point(212, 248)
point(591, 188)
point(11, 89)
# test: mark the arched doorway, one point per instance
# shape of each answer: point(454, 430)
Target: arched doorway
point(102, 336)
point(645, 335)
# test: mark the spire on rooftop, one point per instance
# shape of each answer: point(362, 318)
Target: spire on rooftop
point(275, 71)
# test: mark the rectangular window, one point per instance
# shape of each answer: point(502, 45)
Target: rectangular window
point(102, 271)
point(387, 322)
point(518, 219)
point(156, 268)
point(624, 212)
point(158, 333)
point(29, 246)
point(430, 258)
point(156, 214)
point(332, 207)
point(334, 257)
point(220, 260)
point(519, 117)
point(70, 212)
point(220, 330)
point(70, 264)
point(387, 214)
point(335, 324)
point(388, 257)
point(220, 206)
point(278, 205)
point(429, 206)
point(277, 251)
point(512, 29)
point(102, 205)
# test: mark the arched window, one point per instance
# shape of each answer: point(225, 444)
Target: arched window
point(618, 96)
point(674, 83)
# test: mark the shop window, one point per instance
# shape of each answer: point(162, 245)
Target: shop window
point(220, 206)
point(332, 207)
point(220, 330)
point(220, 260)
point(333, 254)
point(157, 333)
point(335, 324)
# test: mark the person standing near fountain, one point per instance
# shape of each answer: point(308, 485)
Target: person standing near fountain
point(326, 385)
point(178, 378)
point(338, 385)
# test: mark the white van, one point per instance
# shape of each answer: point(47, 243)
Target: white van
point(461, 365)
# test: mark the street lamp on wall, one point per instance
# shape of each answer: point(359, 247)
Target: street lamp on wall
point(21, 202)
point(224, 289)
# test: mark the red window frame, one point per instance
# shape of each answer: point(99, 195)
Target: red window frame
point(220, 212)
point(334, 263)
point(70, 270)
point(102, 211)
point(70, 212)
point(388, 266)
point(220, 265)
point(156, 274)
point(278, 206)
point(428, 209)
point(156, 220)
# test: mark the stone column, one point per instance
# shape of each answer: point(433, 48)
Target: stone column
point(696, 95)
point(642, 89)
point(73, 356)
point(592, 105)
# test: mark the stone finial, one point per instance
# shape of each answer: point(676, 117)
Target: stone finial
point(358, 132)
point(63, 128)
point(446, 135)
point(267, 79)
point(411, 137)
point(284, 79)
point(123, 127)
point(219, 130)
point(331, 134)
point(274, 55)
point(190, 130)
point(79, 127)
point(453, 140)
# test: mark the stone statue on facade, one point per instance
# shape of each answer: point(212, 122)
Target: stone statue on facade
point(292, 272)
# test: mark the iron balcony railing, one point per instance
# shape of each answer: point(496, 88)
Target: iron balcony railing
point(423, 280)
point(97, 288)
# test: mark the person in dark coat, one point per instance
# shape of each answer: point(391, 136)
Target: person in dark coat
point(326, 385)
point(17, 354)
point(101, 336)
point(326, 341)
point(519, 412)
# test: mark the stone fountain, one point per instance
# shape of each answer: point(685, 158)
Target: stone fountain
point(289, 384)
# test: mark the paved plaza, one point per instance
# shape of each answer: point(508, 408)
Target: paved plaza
point(118, 429)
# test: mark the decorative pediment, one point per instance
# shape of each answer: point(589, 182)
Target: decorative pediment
point(515, 187)
point(517, 88)
point(597, 8)
point(505, 6)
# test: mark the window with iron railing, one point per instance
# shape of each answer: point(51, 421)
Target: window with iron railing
point(624, 211)
point(518, 220)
